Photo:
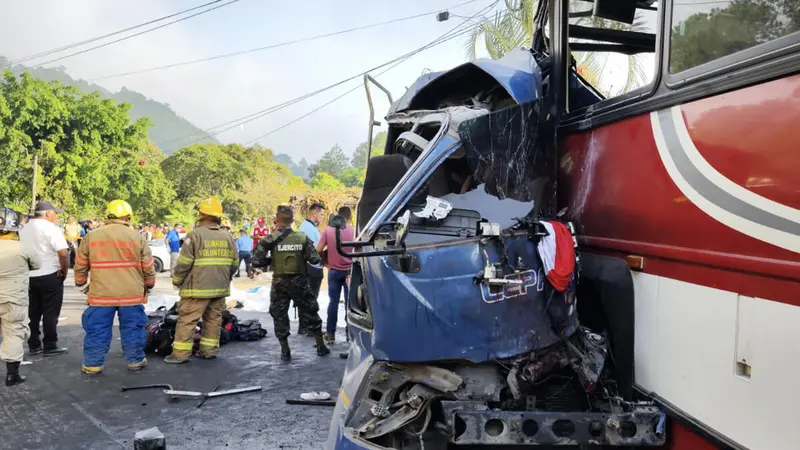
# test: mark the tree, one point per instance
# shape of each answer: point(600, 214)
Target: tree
point(353, 177)
point(326, 182)
point(88, 149)
point(704, 37)
point(514, 28)
point(334, 161)
point(359, 159)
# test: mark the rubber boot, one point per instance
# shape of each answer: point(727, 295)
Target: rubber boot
point(322, 349)
point(286, 353)
point(12, 374)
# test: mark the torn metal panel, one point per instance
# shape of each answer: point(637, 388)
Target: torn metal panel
point(417, 402)
point(636, 428)
point(435, 377)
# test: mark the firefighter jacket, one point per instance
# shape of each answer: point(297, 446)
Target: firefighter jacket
point(207, 262)
point(15, 263)
point(290, 251)
point(121, 264)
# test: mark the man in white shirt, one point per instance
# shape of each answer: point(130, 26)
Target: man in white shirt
point(309, 227)
point(46, 290)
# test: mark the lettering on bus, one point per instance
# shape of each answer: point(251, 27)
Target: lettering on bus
point(531, 279)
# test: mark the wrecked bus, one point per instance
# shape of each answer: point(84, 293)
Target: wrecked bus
point(685, 284)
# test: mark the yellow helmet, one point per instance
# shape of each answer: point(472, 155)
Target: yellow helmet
point(226, 223)
point(210, 207)
point(119, 209)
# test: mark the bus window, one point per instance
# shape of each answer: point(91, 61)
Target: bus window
point(610, 73)
point(703, 30)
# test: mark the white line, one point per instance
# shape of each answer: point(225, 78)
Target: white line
point(772, 236)
point(96, 422)
point(723, 182)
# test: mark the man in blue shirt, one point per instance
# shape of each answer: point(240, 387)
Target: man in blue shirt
point(174, 242)
point(245, 245)
point(309, 227)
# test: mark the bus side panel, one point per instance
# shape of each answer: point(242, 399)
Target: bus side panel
point(707, 193)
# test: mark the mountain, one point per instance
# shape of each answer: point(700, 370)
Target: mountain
point(299, 169)
point(169, 132)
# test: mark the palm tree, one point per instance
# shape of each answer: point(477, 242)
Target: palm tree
point(514, 28)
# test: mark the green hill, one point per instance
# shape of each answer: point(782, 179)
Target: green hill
point(169, 132)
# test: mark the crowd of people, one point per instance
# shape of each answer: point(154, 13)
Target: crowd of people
point(114, 268)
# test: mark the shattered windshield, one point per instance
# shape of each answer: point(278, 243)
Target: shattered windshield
point(498, 170)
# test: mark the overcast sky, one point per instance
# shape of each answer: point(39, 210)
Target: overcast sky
point(211, 93)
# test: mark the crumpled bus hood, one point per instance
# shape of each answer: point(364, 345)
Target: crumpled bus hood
point(516, 72)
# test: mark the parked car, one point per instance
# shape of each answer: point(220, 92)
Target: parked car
point(161, 261)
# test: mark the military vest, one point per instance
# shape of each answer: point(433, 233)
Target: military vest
point(288, 256)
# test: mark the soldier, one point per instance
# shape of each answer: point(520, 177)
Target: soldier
point(290, 252)
point(203, 274)
point(15, 262)
point(121, 264)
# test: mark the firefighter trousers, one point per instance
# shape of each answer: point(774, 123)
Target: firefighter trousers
point(14, 329)
point(190, 310)
point(98, 322)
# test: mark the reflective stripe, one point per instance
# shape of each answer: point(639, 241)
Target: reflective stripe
point(213, 262)
point(95, 265)
point(185, 346)
point(185, 260)
point(148, 264)
point(117, 301)
point(189, 293)
point(80, 279)
point(80, 258)
point(92, 369)
point(209, 342)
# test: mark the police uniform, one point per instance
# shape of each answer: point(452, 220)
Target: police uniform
point(290, 251)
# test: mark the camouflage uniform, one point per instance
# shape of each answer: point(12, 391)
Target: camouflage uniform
point(289, 281)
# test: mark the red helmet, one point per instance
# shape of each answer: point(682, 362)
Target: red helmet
point(261, 221)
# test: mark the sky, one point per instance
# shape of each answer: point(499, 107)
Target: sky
point(211, 93)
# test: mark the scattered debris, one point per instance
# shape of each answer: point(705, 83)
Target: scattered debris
point(290, 401)
point(321, 395)
point(172, 398)
point(149, 439)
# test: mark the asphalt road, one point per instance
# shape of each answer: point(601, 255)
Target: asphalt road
point(59, 408)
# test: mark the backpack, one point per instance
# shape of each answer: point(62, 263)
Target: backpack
point(249, 330)
point(161, 330)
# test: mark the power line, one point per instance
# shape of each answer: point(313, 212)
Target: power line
point(441, 40)
point(138, 34)
point(264, 112)
point(281, 44)
point(97, 38)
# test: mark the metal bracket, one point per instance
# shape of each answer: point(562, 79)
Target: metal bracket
point(635, 428)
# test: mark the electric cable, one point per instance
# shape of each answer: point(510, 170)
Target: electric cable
point(434, 43)
point(136, 34)
point(280, 44)
point(207, 133)
point(97, 38)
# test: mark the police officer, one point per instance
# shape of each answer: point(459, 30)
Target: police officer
point(203, 274)
point(15, 262)
point(290, 252)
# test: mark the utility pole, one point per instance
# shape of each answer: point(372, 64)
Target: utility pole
point(35, 175)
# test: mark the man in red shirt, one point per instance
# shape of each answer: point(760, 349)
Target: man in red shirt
point(260, 231)
point(338, 267)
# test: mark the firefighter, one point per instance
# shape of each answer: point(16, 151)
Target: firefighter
point(203, 274)
point(121, 264)
point(290, 252)
point(15, 263)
